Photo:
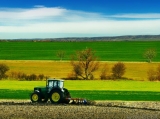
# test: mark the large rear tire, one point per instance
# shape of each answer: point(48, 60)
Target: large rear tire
point(35, 97)
point(56, 96)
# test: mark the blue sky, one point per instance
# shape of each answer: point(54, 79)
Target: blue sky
point(78, 18)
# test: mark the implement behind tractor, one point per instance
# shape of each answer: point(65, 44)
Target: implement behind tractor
point(56, 92)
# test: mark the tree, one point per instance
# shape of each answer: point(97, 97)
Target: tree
point(86, 63)
point(3, 69)
point(61, 54)
point(104, 71)
point(154, 75)
point(118, 70)
point(149, 54)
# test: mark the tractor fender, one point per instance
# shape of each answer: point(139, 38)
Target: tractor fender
point(40, 94)
point(35, 91)
point(66, 90)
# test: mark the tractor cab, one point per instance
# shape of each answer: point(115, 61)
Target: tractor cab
point(55, 83)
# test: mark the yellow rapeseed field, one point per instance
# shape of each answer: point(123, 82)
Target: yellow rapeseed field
point(61, 69)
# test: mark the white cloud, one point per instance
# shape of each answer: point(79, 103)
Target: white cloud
point(105, 27)
point(138, 16)
point(42, 20)
point(33, 13)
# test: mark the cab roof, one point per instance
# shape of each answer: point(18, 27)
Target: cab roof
point(53, 79)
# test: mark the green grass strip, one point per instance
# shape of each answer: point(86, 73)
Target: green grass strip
point(90, 94)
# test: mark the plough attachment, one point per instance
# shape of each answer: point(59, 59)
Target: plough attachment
point(80, 101)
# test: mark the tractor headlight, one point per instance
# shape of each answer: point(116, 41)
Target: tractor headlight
point(37, 90)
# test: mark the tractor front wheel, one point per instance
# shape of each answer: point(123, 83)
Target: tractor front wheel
point(35, 97)
point(56, 96)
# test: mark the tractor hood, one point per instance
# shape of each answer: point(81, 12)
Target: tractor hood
point(40, 89)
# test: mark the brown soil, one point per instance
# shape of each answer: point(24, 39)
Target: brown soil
point(14, 109)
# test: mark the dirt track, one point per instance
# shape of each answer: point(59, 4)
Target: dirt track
point(100, 110)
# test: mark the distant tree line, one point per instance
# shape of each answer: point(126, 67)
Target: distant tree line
point(26, 77)
point(75, 39)
point(19, 75)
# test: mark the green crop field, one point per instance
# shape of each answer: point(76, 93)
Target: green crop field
point(105, 51)
point(19, 57)
point(93, 90)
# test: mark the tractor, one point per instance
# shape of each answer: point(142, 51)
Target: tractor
point(54, 91)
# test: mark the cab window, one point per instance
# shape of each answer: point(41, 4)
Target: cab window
point(50, 84)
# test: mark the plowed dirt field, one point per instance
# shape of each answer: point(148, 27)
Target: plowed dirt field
point(18, 109)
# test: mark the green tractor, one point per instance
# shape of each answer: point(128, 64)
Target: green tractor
point(54, 91)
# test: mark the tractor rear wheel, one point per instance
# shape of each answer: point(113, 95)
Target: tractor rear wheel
point(56, 96)
point(35, 97)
